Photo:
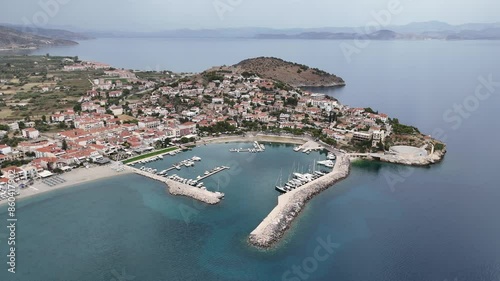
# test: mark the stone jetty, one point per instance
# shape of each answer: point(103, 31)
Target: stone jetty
point(290, 204)
point(181, 189)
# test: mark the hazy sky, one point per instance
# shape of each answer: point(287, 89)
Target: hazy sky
point(152, 15)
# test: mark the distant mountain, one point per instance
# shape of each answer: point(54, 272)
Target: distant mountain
point(377, 35)
point(413, 31)
point(13, 39)
point(486, 34)
point(437, 26)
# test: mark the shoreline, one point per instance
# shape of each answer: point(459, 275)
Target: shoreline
point(74, 178)
point(270, 231)
point(275, 225)
point(298, 140)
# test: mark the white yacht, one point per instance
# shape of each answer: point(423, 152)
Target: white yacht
point(331, 156)
point(327, 163)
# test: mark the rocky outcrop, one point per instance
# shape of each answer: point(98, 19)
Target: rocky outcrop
point(274, 226)
point(434, 158)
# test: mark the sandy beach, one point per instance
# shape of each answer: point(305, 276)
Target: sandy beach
point(256, 137)
point(72, 178)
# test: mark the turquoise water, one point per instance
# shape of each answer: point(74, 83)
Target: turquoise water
point(433, 224)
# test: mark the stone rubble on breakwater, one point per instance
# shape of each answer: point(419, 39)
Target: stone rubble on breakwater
point(290, 204)
point(181, 189)
point(177, 188)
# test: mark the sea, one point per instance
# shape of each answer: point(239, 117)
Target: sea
point(383, 223)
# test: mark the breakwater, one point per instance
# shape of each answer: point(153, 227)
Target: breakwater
point(181, 189)
point(274, 226)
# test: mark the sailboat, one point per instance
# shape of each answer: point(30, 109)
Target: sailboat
point(279, 187)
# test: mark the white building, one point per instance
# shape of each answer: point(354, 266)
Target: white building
point(30, 133)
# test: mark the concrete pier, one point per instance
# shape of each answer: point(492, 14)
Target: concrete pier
point(177, 188)
point(212, 173)
point(290, 204)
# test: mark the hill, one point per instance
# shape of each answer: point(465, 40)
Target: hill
point(12, 39)
point(296, 75)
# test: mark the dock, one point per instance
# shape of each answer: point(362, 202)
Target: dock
point(181, 164)
point(213, 172)
point(177, 188)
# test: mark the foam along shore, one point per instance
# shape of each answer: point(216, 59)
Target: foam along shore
point(181, 189)
point(72, 178)
point(290, 204)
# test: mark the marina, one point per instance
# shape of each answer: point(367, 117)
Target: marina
point(298, 180)
point(177, 166)
point(291, 203)
point(162, 175)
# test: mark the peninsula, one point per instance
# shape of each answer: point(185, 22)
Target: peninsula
point(283, 73)
point(61, 116)
point(12, 39)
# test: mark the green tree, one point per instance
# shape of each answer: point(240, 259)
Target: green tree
point(64, 145)
point(77, 107)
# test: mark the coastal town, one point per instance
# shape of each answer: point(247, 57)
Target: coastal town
point(121, 115)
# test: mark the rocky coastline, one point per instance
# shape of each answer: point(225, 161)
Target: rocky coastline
point(434, 158)
point(422, 161)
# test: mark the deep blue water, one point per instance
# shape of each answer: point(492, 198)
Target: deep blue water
point(390, 223)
